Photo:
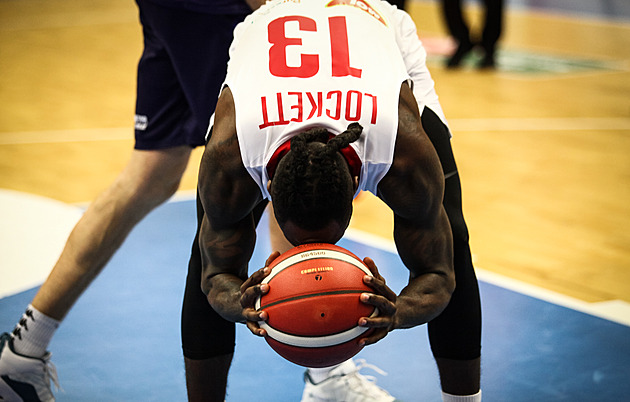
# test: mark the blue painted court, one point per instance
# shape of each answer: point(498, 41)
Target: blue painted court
point(121, 342)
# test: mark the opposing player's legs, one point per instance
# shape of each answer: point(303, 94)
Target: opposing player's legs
point(24, 378)
point(150, 178)
point(178, 82)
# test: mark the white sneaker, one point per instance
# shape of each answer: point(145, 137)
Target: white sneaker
point(345, 384)
point(24, 378)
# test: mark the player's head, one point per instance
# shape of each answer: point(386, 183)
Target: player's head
point(312, 188)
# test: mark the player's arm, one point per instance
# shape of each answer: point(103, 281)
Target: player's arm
point(414, 188)
point(227, 234)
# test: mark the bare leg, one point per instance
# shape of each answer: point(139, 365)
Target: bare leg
point(206, 380)
point(149, 179)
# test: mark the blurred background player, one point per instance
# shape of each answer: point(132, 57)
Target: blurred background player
point(460, 31)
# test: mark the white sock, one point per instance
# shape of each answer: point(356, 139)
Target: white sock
point(320, 374)
point(461, 398)
point(33, 333)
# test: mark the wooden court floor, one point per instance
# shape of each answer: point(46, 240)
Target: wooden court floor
point(543, 143)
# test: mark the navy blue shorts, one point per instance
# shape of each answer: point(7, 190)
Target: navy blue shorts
point(180, 74)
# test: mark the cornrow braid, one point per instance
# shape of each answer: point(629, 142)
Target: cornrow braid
point(312, 183)
point(344, 139)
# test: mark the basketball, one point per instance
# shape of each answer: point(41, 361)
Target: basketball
point(313, 305)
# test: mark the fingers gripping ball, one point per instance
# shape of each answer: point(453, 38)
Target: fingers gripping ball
point(313, 305)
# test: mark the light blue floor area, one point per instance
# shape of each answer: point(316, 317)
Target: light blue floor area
point(121, 341)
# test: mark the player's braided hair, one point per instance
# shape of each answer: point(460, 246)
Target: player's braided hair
point(312, 183)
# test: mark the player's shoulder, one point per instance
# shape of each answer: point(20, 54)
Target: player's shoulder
point(224, 121)
point(222, 154)
point(414, 179)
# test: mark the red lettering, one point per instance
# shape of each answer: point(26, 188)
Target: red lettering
point(315, 106)
point(297, 106)
point(309, 63)
point(357, 106)
point(337, 110)
point(339, 49)
point(281, 121)
point(276, 34)
point(352, 102)
point(374, 108)
point(263, 104)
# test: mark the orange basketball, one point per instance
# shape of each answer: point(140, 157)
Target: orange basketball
point(313, 305)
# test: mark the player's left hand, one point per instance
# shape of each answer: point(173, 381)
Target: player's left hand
point(384, 299)
point(251, 289)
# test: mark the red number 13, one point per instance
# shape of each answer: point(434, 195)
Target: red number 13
point(309, 63)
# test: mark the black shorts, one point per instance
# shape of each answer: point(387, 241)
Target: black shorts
point(180, 73)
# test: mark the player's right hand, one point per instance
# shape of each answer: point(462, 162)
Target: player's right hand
point(251, 290)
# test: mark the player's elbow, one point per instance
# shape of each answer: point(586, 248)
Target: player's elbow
point(443, 294)
point(206, 284)
point(445, 286)
point(449, 284)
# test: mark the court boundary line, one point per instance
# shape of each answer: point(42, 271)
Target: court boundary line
point(614, 310)
point(456, 124)
point(617, 311)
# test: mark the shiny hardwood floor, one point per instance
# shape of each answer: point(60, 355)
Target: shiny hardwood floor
point(543, 142)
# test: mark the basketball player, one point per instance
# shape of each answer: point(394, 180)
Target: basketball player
point(459, 29)
point(301, 72)
point(179, 78)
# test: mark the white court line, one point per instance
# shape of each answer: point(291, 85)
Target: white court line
point(62, 136)
point(541, 124)
point(33, 232)
point(457, 125)
point(184, 195)
point(613, 310)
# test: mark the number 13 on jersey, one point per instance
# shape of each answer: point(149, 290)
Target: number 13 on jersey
point(309, 63)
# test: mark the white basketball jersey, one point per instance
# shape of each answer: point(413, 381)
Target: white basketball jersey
point(295, 65)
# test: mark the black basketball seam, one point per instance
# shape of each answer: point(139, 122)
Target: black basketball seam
point(332, 292)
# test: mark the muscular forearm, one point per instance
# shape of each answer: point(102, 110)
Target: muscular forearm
point(423, 299)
